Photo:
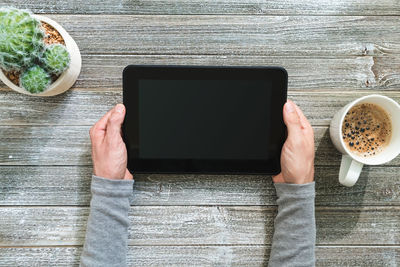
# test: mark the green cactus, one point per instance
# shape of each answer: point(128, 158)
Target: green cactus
point(55, 58)
point(35, 79)
point(21, 39)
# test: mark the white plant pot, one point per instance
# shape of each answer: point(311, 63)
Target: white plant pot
point(68, 77)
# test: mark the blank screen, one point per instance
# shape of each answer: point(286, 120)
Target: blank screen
point(204, 119)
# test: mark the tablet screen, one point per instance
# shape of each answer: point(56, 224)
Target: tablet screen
point(188, 119)
point(204, 119)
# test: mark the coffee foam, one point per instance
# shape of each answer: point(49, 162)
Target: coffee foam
point(366, 129)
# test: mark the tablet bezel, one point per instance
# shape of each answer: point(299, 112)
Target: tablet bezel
point(278, 78)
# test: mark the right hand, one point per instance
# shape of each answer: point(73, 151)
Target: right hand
point(297, 158)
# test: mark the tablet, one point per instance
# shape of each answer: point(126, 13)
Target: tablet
point(191, 119)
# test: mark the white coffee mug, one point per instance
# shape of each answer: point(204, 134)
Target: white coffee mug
point(351, 164)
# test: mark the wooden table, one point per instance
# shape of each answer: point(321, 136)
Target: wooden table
point(334, 51)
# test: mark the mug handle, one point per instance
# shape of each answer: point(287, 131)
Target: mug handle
point(350, 170)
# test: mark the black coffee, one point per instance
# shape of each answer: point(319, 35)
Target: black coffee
point(366, 129)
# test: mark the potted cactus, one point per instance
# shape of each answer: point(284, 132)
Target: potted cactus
point(37, 56)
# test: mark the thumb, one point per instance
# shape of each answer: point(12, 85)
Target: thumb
point(115, 120)
point(291, 119)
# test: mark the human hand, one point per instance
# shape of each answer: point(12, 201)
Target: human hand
point(297, 158)
point(109, 153)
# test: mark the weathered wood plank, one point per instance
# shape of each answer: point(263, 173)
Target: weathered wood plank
point(358, 256)
point(82, 107)
point(50, 145)
point(304, 73)
point(104, 72)
point(70, 145)
point(198, 225)
point(250, 255)
point(385, 76)
point(71, 186)
point(71, 108)
point(255, 7)
point(44, 256)
point(234, 35)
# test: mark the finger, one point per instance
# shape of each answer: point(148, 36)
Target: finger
point(115, 121)
point(102, 123)
point(128, 175)
point(303, 120)
point(309, 132)
point(291, 119)
point(97, 132)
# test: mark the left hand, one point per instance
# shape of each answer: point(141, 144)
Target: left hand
point(109, 152)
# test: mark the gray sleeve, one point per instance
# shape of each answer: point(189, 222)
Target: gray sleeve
point(293, 243)
point(107, 227)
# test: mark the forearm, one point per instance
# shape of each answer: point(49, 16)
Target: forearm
point(107, 227)
point(293, 242)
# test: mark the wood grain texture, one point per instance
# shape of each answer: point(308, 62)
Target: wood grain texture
point(104, 72)
point(198, 225)
point(70, 185)
point(305, 73)
point(234, 35)
point(334, 51)
point(50, 145)
point(249, 255)
point(251, 7)
point(70, 145)
point(85, 107)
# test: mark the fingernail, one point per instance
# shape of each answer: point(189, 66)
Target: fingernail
point(119, 108)
point(290, 107)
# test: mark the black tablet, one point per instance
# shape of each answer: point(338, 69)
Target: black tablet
point(191, 119)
